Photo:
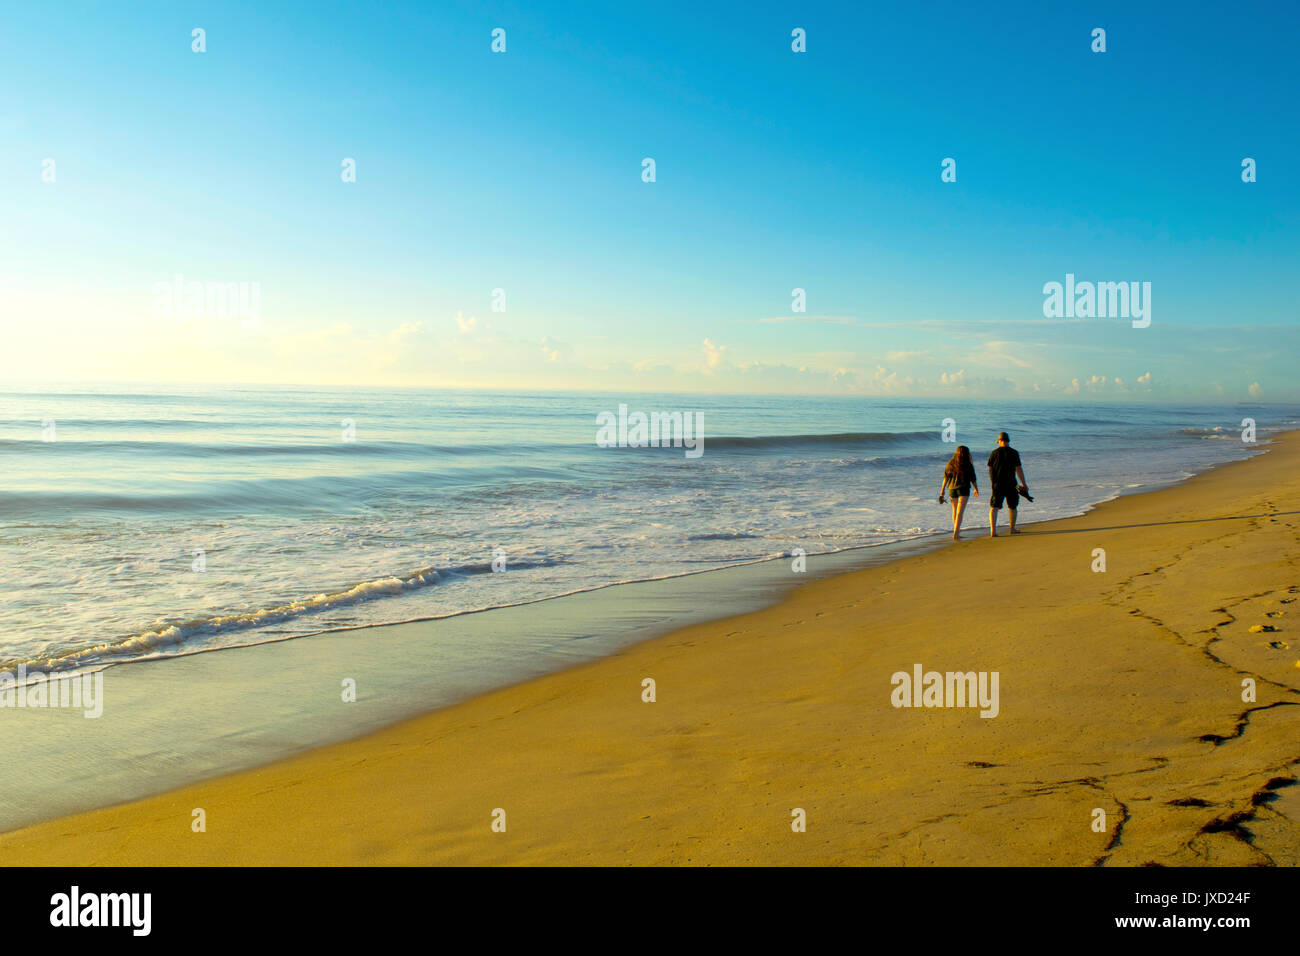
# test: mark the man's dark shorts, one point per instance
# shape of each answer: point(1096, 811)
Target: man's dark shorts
point(1011, 496)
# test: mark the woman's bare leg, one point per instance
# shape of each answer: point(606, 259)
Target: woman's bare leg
point(958, 510)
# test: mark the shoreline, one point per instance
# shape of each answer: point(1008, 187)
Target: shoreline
point(78, 767)
point(918, 541)
point(233, 791)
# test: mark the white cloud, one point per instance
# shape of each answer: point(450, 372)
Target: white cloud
point(405, 331)
point(812, 319)
point(466, 326)
point(1255, 390)
point(713, 354)
point(888, 381)
point(1000, 352)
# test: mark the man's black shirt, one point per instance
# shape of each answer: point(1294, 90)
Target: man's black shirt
point(1002, 467)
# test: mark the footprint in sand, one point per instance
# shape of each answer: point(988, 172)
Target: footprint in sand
point(1274, 613)
point(1261, 628)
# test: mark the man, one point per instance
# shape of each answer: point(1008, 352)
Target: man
point(1004, 469)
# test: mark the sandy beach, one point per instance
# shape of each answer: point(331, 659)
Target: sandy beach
point(1121, 736)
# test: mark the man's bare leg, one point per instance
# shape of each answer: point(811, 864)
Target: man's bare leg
point(1012, 512)
point(993, 522)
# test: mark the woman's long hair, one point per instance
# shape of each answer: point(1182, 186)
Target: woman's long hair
point(959, 465)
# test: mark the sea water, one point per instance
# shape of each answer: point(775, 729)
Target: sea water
point(148, 522)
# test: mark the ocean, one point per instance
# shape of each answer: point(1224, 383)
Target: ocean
point(139, 523)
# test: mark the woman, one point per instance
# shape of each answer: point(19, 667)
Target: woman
point(958, 479)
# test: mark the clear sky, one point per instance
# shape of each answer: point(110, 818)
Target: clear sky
point(775, 170)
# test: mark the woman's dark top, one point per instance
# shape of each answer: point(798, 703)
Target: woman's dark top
point(959, 480)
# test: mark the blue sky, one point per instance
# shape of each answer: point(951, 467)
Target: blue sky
point(774, 170)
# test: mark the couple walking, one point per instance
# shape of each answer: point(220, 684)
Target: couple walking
point(1004, 470)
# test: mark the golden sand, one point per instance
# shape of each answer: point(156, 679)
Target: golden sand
point(1121, 694)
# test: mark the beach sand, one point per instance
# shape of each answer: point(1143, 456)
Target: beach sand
point(1120, 691)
